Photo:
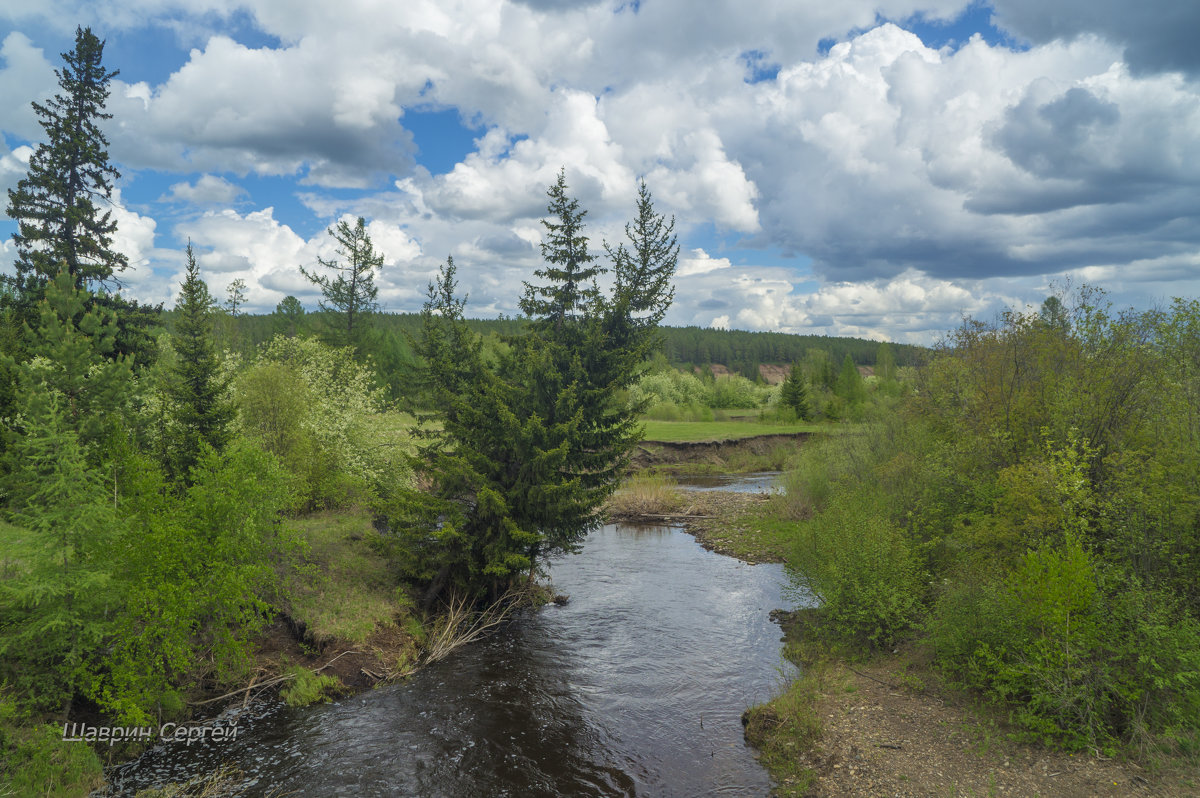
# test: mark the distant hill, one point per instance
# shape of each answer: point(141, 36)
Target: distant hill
point(745, 352)
point(752, 354)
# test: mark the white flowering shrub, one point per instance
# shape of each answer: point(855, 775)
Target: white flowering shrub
point(316, 408)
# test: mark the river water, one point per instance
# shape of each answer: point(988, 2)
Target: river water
point(635, 687)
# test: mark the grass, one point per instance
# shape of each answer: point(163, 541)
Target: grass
point(307, 687)
point(692, 431)
point(783, 729)
point(744, 534)
point(37, 761)
point(349, 590)
point(646, 493)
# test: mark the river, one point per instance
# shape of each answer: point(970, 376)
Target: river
point(635, 687)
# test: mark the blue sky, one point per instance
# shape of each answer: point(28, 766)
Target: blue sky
point(871, 167)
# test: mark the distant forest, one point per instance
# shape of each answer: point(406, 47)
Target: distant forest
point(738, 350)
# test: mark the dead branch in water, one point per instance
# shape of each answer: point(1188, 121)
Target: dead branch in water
point(461, 623)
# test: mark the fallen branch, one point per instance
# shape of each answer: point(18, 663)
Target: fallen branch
point(662, 515)
point(263, 685)
point(872, 678)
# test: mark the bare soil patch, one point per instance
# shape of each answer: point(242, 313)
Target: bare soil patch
point(889, 727)
point(880, 737)
point(659, 453)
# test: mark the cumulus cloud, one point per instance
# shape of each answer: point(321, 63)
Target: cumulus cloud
point(1159, 35)
point(267, 254)
point(26, 75)
point(268, 112)
point(207, 190)
point(914, 179)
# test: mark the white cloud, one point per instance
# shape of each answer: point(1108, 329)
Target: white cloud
point(26, 75)
point(207, 190)
point(914, 179)
point(267, 254)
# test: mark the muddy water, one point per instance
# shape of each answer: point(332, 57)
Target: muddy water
point(635, 687)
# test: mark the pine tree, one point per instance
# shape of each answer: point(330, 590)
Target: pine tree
point(289, 316)
point(352, 292)
point(236, 292)
point(55, 205)
point(794, 393)
point(200, 410)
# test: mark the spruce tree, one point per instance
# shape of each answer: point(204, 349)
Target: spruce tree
point(200, 409)
point(70, 395)
point(885, 363)
point(60, 222)
point(58, 606)
point(530, 445)
point(794, 393)
point(352, 293)
point(568, 292)
point(69, 353)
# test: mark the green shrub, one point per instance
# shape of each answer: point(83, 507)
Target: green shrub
point(734, 391)
point(1081, 661)
point(316, 408)
point(860, 567)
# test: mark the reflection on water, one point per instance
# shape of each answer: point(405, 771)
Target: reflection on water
point(758, 482)
point(635, 687)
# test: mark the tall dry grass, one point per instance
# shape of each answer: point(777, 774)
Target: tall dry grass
point(647, 494)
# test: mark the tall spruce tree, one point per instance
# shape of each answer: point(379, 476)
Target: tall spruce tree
point(568, 292)
point(532, 442)
point(885, 363)
point(200, 409)
point(60, 222)
point(794, 393)
point(850, 383)
point(351, 293)
point(59, 206)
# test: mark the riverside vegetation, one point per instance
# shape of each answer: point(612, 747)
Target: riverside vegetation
point(1021, 528)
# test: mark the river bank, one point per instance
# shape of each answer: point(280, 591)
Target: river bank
point(889, 725)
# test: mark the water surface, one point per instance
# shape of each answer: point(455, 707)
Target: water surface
point(635, 687)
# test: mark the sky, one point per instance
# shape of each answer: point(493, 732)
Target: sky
point(875, 168)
